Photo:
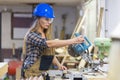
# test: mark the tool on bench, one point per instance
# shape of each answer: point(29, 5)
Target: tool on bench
point(76, 50)
point(103, 45)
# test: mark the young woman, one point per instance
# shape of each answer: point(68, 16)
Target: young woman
point(38, 45)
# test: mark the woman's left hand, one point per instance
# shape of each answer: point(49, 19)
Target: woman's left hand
point(62, 67)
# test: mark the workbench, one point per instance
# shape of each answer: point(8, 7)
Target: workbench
point(97, 77)
point(88, 78)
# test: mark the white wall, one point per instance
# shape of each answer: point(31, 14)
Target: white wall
point(91, 21)
point(6, 21)
point(112, 15)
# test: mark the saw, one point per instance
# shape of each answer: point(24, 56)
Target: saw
point(76, 50)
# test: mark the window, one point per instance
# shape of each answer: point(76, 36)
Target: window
point(20, 24)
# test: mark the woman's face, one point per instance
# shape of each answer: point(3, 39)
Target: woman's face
point(45, 22)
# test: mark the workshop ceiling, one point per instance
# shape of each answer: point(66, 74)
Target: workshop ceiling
point(54, 2)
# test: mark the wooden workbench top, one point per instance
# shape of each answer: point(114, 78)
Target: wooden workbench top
point(97, 76)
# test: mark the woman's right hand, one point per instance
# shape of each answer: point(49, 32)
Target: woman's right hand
point(79, 39)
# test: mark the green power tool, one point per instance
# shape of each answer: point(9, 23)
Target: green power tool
point(103, 45)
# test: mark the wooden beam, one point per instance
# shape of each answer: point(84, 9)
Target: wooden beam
point(100, 22)
point(0, 39)
point(79, 24)
point(3, 69)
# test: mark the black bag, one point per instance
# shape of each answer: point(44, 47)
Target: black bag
point(45, 62)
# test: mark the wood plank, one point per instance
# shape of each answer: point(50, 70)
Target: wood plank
point(3, 69)
point(100, 22)
point(79, 24)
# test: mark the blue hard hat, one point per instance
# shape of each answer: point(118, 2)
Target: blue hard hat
point(44, 10)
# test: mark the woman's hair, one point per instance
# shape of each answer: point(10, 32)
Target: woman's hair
point(34, 27)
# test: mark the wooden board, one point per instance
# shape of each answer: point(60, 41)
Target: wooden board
point(3, 69)
point(18, 73)
point(100, 22)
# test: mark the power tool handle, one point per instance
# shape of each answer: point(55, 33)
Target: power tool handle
point(85, 46)
point(89, 43)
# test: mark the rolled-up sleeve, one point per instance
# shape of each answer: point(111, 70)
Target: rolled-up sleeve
point(37, 40)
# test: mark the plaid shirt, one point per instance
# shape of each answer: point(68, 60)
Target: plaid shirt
point(35, 46)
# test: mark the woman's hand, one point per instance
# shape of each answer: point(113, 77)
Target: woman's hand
point(61, 67)
point(79, 39)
